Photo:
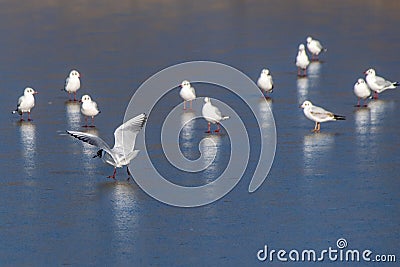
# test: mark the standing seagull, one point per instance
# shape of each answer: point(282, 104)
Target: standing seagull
point(72, 83)
point(123, 151)
point(89, 109)
point(319, 115)
point(378, 84)
point(212, 114)
point(25, 103)
point(302, 61)
point(362, 91)
point(187, 93)
point(265, 82)
point(315, 47)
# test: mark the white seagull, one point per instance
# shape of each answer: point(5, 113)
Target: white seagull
point(319, 115)
point(362, 91)
point(124, 148)
point(315, 47)
point(378, 84)
point(302, 61)
point(187, 93)
point(72, 83)
point(265, 82)
point(89, 109)
point(212, 114)
point(25, 103)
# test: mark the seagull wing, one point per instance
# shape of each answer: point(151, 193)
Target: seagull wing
point(321, 113)
point(66, 82)
point(382, 82)
point(93, 140)
point(125, 134)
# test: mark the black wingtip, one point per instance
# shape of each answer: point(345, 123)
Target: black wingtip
point(340, 117)
point(396, 83)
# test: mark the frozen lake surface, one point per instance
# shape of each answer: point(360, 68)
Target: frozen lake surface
point(58, 207)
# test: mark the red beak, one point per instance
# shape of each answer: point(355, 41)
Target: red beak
point(36, 92)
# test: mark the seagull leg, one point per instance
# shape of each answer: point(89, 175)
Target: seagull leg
point(305, 72)
point(129, 173)
point(375, 95)
point(22, 117)
point(75, 97)
point(219, 128)
point(92, 122)
point(358, 103)
point(184, 104)
point(318, 127)
point(29, 116)
point(191, 106)
point(365, 104)
point(209, 127)
point(113, 176)
point(298, 72)
point(85, 122)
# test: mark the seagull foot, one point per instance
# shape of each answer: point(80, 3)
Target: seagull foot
point(216, 131)
point(208, 132)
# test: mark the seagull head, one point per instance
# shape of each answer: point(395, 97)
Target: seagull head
point(74, 73)
point(370, 72)
point(185, 83)
point(207, 100)
point(309, 39)
point(265, 71)
point(360, 81)
point(85, 98)
point(29, 91)
point(306, 104)
point(301, 47)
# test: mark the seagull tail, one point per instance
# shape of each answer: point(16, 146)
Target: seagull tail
point(224, 118)
point(339, 117)
point(396, 84)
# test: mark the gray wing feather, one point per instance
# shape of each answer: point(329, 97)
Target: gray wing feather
point(93, 140)
point(125, 134)
point(382, 82)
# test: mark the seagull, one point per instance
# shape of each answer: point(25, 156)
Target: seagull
point(302, 61)
point(89, 109)
point(265, 82)
point(315, 47)
point(25, 103)
point(187, 93)
point(318, 115)
point(123, 151)
point(212, 114)
point(73, 83)
point(362, 91)
point(378, 84)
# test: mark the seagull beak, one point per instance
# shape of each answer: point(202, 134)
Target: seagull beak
point(36, 92)
point(300, 106)
point(80, 101)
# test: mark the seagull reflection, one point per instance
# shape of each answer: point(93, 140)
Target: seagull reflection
point(209, 147)
point(28, 141)
point(362, 116)
point(302, 89)
point(125, 216)
point(187, 124)
point(314, 70)
point(377, 108)
point(264, 107)
point(315, 149)
point(73, 114)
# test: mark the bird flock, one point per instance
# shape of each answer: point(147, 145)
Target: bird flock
point(125, 135)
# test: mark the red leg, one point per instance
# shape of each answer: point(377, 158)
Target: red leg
point(74, 96)
point(29, 116)
point(191, 105)
point(375, 95)
point(184, 104)
point(92, 122)
point(298, 72)
point(209, 128)
point(217, 130)
point(113, 176)
point(22, 117)
point(85, 122)
point(358, 102)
